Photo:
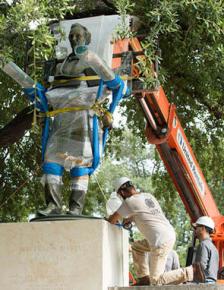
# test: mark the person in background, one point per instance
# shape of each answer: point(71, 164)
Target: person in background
point(172, 262)
point(206, 252)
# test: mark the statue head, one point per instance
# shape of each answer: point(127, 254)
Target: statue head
point(79, 35)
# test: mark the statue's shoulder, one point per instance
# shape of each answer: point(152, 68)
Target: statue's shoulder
point(70, 66)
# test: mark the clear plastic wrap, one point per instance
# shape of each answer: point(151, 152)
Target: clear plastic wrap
point(80, 183)
point(71, 97)
point(51, 179)
point(102, 32)
point(70, 140)
point(18, 75)
point(97, 64)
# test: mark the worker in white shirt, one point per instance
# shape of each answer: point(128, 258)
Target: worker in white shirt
point(159, 235)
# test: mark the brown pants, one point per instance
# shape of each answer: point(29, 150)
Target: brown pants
point(158, 258)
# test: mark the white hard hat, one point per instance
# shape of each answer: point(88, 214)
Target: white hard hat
point(205, 221)
point(119, 182)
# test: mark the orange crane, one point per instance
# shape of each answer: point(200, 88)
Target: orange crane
point(165, 131)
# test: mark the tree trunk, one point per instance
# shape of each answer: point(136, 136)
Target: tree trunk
point(16, 128)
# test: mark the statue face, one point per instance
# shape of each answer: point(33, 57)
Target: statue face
point(79, 35)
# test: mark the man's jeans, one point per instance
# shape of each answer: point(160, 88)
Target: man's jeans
point(155, 269)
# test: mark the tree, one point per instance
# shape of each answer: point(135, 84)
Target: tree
point(190, 36)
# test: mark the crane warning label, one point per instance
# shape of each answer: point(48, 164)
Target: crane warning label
point(187, 155)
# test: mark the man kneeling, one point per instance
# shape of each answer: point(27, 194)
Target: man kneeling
point(160, 238)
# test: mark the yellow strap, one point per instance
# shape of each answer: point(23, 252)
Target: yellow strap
point(64, 110)
point(97, 107)
point(90, 78)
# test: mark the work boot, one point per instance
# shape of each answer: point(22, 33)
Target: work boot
point(53, 199)
point(76, 202)
point(142, 281)
point(198, 272)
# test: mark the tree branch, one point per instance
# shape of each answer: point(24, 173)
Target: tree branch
point(109, 4)
point(215, 110)
point(16, 128)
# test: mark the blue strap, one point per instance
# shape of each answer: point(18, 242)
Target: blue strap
point(115, 83)
point(45, 136)
point(80, 171)
point(95, 146)
point(117, 96)
point(39, 93)
point(53, 168)
point(38, 96)
point(95, 143)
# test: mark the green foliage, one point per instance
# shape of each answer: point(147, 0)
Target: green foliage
point(26, 24)
point(190, 35)
point(124, 8)
point(19, 183)
point(128, 158)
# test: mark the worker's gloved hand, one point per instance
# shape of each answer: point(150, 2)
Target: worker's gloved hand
point(127, 226)
point(127, 223)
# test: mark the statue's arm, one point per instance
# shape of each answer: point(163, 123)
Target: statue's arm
point(35, 92)
point(18, 75)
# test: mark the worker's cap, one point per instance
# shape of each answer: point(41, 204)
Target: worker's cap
point(204, 221)
point(119, 182)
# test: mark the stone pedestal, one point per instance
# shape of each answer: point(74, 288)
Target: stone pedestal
point(63, 255)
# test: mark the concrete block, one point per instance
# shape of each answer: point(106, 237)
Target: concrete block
point(63, 255)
